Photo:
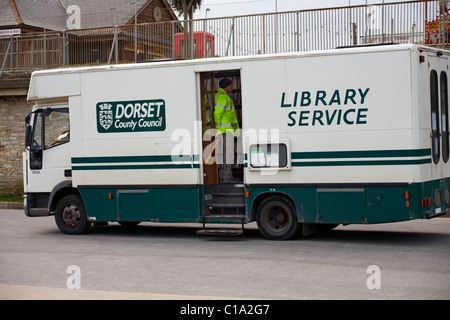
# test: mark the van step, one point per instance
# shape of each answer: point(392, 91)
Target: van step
point(221, 232)
point(223, 218)
point(225, 199)
point(228, 194)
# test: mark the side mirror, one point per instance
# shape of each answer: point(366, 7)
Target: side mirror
point(28, 139)
point(27, 118)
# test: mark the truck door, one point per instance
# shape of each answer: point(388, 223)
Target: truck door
point(48, 154)
point(221, 196)
point(439, 133)
point(209, 84)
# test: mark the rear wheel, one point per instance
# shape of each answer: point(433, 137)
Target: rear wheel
point(70, 215)
point(277, 218)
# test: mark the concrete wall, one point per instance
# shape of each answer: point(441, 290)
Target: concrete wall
point(13, 107)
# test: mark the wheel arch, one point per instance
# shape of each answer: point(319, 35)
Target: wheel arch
point(263, 196)
point(61, 190)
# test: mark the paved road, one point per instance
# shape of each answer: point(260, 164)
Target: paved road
point(407, 260)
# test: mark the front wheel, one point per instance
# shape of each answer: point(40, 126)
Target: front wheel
point(277, 218)
point(70, 215)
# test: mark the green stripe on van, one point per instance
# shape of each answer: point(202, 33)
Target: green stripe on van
point(139, 162)
point(362, 154)
point(137, 167)
point(361, 158)
point(359, 163)
point(122, 159)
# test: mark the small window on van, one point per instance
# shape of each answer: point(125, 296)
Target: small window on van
point(268, 155)
point(435, 130)
point(444, 116)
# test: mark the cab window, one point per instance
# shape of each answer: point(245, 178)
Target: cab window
point(56, 127)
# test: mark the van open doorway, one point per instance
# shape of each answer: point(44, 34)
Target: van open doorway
point(213, 156)
point(223, 199)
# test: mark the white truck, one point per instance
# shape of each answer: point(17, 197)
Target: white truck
point(345, 136)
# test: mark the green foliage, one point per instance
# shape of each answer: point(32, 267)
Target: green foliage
point(10, 198)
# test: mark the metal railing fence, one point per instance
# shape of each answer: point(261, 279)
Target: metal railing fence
point(423, 22)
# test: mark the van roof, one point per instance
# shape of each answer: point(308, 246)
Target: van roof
point(177, 62)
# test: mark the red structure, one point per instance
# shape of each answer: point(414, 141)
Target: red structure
point(438, 31)
point(203, 44)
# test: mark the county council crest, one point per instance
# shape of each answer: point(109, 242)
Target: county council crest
point(105, 115)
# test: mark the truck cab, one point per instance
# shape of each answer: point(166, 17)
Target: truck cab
point(46, 160)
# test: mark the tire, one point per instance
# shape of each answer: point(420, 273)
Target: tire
point(70, 215)
point(277, 218)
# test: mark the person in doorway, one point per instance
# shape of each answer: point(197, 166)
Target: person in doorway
point(227, 129)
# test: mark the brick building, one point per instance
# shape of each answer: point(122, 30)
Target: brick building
point(28, 16)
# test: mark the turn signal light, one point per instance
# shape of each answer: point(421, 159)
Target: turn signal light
point(426, 202)
point(110, 196)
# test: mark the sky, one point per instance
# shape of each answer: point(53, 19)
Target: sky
point(227, 8)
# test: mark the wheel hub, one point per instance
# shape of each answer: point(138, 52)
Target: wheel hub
point(280, 217)
point(71, 216)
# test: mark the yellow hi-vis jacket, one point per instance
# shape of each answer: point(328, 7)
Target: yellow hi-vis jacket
point(225, 114)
